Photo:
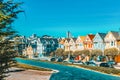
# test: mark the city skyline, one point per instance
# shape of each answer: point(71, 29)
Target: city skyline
point(55, 18)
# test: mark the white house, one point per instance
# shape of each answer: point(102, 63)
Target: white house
point(79, 43)
point(99, 42)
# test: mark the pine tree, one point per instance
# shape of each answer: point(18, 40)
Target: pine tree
point(8, 13)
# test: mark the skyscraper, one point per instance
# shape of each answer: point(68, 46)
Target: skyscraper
point(69, 35)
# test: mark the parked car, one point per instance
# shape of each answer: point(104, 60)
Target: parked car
point(52, 59)
point(71, 61)
point(111, 63)
point(65, 61)
point(79, 62)
point(90, 63)
point(98, 63)
point(59, 60)
point(104, 65)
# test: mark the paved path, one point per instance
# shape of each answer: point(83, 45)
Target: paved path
point(20, 74)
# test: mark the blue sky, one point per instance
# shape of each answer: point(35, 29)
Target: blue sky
point(56, 17)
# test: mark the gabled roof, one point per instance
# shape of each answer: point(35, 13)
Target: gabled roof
point(91, 36)
point(62, 41)
point(68, 39)
point(82, 38)
point(102, 35)
point(115, 34)
point(74, 39)
point(48, 40)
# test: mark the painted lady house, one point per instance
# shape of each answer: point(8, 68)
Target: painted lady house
point(61, 43)
point(49, 44)
point(79, 43)
point(66, 44)
point(88, 42)
point(41, 46)
point(72, 44)
point(112, 40)
point(99, 42)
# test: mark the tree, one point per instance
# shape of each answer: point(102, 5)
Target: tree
point(85, 52)
point(67, 54)
point(111, 53)
point(59, 52)
point(8, 13)
point(95, 53)
point(76, 53)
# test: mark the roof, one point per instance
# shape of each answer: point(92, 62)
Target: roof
point(46, 36)
point(82, 38)
point(68, 39)
point(91, 36)
point(102, 35)
point(116, 35)
point(74, 39)
point(62, 41)
point(45, 40)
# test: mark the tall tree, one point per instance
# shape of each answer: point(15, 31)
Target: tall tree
point(8, 13)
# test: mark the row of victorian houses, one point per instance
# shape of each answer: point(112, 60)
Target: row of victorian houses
point(43, 46)
point(99, 41)
point(37, 46)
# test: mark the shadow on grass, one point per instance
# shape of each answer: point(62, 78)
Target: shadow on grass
point(15, 70)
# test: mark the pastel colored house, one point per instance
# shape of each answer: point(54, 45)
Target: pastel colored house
point(79, 43)
point(29, 52)
point(49, 44)
point(99, 42)
point(61, 43)
point(39, 48)
point(72, 44)
point(66, 44)
point(88, 42)
point(112, 40)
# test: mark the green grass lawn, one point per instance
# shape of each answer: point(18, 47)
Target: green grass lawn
point(106, 70)
point(24, 66)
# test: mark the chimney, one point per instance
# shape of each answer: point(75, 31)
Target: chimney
point(69, 34)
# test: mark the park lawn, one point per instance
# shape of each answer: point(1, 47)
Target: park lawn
point(25, 66)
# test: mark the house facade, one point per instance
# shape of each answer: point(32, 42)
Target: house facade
point(72, 44)
point(41, 46)
point(61, 43)
point(79, 43)
point(49, 44)
point(88, 42)
point(98, 41)
point(67, 45)
point(29, 52)
point(112, 40)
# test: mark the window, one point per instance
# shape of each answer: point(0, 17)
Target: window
point(81, 44)
point(112, 43)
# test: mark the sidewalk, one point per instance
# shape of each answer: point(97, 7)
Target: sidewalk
point(21, 74)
